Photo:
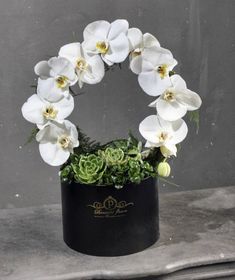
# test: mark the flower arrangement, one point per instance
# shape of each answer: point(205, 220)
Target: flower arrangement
point(124, 160)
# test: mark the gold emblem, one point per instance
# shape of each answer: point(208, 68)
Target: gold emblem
point(110, 208)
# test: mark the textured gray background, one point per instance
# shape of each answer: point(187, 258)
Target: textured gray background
point(199, 33)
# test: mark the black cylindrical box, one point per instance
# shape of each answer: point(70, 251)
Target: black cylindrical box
point(106, 221)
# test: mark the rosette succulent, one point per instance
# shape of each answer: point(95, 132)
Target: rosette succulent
point(90, 169)
point(113, 156)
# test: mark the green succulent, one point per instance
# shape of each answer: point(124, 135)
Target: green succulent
point(89, 169)
point(135, 154)
point(116, 163)
point(113, 156)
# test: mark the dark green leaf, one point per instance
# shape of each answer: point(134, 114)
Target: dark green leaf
point(171, 73)
point(32, 136)
point(194, 117)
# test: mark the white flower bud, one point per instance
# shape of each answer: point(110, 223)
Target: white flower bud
point(164, 169)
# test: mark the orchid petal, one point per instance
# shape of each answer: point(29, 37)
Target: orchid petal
point(180, 131)
point(152, 83)
point(90, 46)
point(178, 82)
point(108, 62)
point(135, 37)
point(150, 41)
point(118, 49)
point(158, 56)
point(136, 64)
point(65, 107)
point(32, 110)
point(52, 154)
point(48, 134)
point(170, 111)
point(170, 150)
point(48, 90)
point(61, 66)
point(72, 131)
point(147, 66)
point(149, 144)
point(98, 29)
point(191, 100)
point(72, 52)
point(116, 28)
point(42, 69)
point(95, 72)
point(148, 128)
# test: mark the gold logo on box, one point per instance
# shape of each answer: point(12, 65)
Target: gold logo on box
point(110, 208)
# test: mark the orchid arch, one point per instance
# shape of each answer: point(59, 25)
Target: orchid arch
point(85, 62)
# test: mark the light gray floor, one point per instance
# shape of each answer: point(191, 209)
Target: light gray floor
point(197, 228)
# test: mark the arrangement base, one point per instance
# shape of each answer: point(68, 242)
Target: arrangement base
point(105, 221)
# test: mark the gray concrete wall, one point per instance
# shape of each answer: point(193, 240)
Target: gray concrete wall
point(200, 35)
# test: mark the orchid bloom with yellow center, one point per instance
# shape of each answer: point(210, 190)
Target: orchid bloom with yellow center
point(55, 77)
point(162, 133)
point(156, 64)
point(176, 100)
point(57, 141)
point(109, 40)
point(40, 111)
point(138, 43)
point(89, 69)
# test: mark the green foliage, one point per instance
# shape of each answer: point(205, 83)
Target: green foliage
point(74, 94)
point(86, 145)
point(115, 163)
point(32, 135)
point(112, 67)
point(66, 174)
point(194, 117)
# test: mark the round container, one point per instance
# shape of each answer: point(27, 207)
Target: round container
point(106, 221)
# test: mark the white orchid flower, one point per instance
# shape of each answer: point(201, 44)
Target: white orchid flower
point(157, 62)
point(55, 77)
point(107, 39)
point(56, 142)
point(176, 100)
point(138, 43)
point(90, 70)
point(162, 133)
point(40, 111)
